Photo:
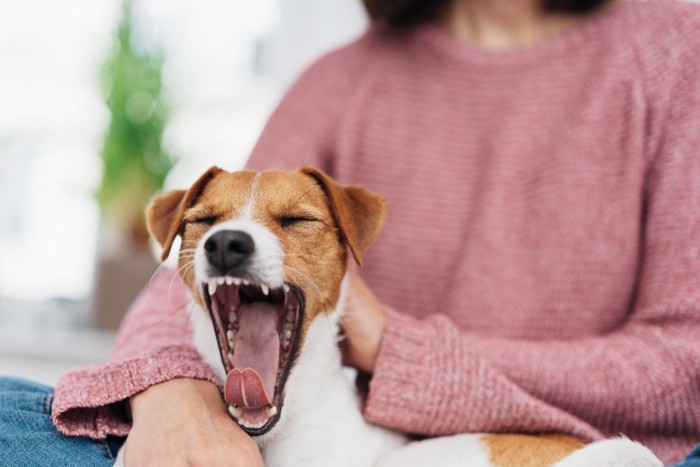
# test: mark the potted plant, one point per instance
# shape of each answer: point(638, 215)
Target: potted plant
point(135, 166)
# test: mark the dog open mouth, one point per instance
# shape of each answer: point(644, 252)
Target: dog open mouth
point(257, 330)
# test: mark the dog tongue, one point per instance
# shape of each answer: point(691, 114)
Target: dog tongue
point(251, 383)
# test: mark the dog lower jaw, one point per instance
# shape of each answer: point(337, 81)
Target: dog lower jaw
point(253, 419)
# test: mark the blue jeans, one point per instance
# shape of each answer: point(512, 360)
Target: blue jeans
point(29, 438)
point(693, 459)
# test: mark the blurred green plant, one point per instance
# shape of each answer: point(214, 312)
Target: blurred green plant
point(135, 164)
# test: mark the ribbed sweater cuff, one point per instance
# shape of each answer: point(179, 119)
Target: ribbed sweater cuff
point(425, 383)
point(90, 401)
point(397, 374)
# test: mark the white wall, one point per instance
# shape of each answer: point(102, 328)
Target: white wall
point(228, 62)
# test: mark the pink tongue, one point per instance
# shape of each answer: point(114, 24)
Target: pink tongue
point(251, 383)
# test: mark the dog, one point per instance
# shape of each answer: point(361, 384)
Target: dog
point(265, 256)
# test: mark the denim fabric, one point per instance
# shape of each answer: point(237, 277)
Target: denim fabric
point(693, 460)
point(28, 438)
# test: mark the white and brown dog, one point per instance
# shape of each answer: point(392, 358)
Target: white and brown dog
point(264, 256)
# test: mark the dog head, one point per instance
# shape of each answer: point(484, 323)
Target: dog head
point(264, 253)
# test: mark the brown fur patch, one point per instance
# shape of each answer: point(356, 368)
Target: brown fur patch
point(513, 450)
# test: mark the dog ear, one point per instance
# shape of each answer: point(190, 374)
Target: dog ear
point(360, 213)
point(165, 213)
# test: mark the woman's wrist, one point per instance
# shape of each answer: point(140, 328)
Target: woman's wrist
point(178, 391)
point(364, 320)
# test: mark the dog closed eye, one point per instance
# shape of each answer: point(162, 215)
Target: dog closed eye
point(207, 220)
point(289, 221)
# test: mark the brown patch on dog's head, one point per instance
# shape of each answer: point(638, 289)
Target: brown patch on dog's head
point(164, 214)
point(359, 212)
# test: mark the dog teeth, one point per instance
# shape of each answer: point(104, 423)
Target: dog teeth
point(265, 289)
point(232, 318)
point(230, 358)
point(231, 336)
point(271, 411)
point(286, 288)
point(212, 286)
point(235, 411)
point(220, 280)
point(286, 337)
point(245, 281)
point(233, 280)
point(251, 425)
point(288, 326)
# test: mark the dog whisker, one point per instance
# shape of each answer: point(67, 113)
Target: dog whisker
point(160, 267)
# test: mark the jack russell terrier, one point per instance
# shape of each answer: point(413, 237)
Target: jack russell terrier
point(264, 256)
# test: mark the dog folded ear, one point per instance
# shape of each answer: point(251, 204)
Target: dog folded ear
point(360, 213)
point(165, 213)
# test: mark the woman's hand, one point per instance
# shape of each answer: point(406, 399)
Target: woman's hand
point(183, 422)
point(363, 323)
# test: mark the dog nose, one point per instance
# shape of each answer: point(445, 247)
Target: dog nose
point(227, 249)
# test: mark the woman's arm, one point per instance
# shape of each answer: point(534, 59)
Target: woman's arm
point(153, 346)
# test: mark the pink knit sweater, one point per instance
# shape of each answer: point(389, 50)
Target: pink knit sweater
point(541, 260)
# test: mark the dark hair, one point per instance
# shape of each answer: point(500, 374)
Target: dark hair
point(403, 13)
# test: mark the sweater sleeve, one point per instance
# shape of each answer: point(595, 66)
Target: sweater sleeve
point(153, 346)
point(154, 341)
point(641, 380)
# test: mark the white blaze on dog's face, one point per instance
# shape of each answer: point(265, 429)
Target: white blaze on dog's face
point(264, 253)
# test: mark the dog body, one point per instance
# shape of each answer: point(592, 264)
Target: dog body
point(264, 256)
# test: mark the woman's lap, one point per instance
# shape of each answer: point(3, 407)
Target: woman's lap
point(28, 437)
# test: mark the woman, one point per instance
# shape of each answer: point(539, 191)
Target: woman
point(538, 271)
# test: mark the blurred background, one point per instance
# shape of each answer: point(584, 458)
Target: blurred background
point(101, 105)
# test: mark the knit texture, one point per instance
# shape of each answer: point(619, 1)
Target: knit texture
point(540, 264)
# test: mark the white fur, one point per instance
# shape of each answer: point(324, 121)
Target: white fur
point(266, 261)
point(250, 204)
point(618, 452)
point(204, 339)
point(446, 451)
